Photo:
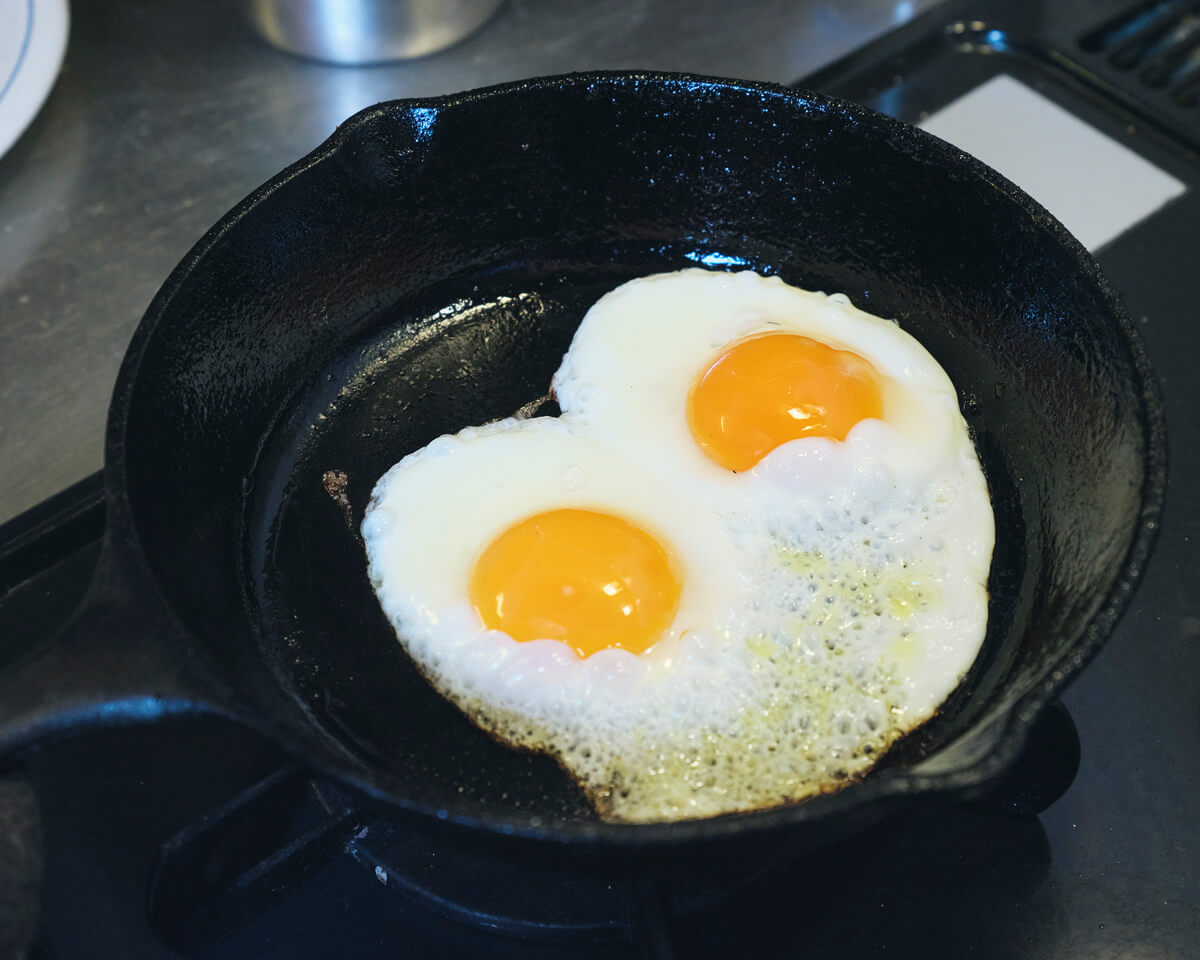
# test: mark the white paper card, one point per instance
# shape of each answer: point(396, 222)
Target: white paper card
point(1096, 186)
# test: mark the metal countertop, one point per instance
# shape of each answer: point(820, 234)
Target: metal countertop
point(169, 112)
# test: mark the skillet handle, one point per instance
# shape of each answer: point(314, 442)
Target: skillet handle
point(116, 661)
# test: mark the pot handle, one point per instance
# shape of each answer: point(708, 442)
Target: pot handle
point(105, 666)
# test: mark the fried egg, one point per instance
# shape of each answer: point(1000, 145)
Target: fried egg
point(750, 554)
point(527, 561)
point(703, 375)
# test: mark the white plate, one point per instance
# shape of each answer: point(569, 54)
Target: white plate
point(33, 38)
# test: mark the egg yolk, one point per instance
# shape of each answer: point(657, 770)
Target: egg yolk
point(589, 579)
point(768, 389)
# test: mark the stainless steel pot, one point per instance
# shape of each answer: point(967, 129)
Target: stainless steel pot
point(367, 31)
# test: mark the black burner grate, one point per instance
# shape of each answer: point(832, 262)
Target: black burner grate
point(1159, 43)
point(20, 865)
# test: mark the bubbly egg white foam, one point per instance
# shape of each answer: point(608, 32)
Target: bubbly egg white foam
point(832, 598)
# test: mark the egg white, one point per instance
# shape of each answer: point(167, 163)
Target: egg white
point(626, 377)
point(435, 512)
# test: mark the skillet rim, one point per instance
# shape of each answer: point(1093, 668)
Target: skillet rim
point(1011, 725)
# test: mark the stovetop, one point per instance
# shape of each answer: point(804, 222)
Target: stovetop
point(1107, 871)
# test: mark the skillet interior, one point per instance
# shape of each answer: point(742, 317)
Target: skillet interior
point(426, 270)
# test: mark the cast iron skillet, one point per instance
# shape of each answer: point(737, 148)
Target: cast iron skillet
point(423, 270)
